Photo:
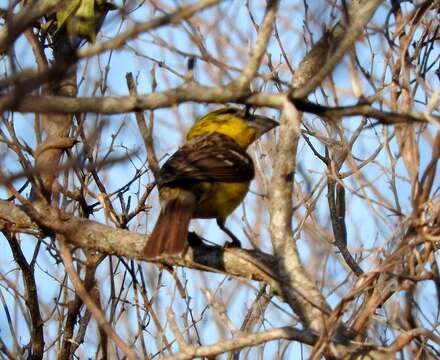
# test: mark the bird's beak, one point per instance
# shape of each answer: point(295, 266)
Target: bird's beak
point(262, 123)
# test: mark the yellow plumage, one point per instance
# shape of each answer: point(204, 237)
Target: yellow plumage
point(208, 177)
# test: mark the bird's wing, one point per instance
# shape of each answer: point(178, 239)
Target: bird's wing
point(212, 157)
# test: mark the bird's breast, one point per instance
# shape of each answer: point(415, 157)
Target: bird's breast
point(220, 199)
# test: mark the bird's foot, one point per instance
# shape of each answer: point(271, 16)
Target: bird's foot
point(235, 243)
point(194, 239)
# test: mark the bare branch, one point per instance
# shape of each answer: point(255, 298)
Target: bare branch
point(175, 18)
point(259, 49)
point(244, 340)
point(90, 303)
point(24, 19)
point(341, 40)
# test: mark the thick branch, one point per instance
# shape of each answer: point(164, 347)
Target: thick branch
point(124, 104)
point(88, 234)
point(298, 289)
point(199, 93)
point(384, 117)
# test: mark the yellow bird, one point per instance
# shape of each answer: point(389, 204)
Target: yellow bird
point(208, 177)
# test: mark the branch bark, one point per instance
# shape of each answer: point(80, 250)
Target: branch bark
point(298, 289)
point(89, 234)
point(25, 18)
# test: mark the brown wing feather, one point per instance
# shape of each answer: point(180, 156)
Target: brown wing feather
point(213, 157)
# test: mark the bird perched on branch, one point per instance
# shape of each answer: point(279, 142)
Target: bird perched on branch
point(208, 177)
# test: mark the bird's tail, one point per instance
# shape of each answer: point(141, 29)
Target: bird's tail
point(169, 236)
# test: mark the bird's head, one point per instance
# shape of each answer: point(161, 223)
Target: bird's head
point(238, 124)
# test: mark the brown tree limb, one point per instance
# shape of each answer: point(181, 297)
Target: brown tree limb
point(122, 104)
point(362, 109)
point(245, 340)
point(198, 93)
point(298, 289)
point(89, 234)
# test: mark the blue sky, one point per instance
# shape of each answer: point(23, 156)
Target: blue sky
point(365, 229)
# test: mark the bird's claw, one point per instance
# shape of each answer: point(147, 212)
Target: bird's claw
point(235, 243)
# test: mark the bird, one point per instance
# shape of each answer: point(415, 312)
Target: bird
point(207, 177)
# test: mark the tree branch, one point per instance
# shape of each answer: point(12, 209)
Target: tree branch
point(88, 234)
point(25, 18)
point(335, 47)
point(248, 73)
point(174, 18)
point(90, 303)
point(198, 93)
point(246, 340)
